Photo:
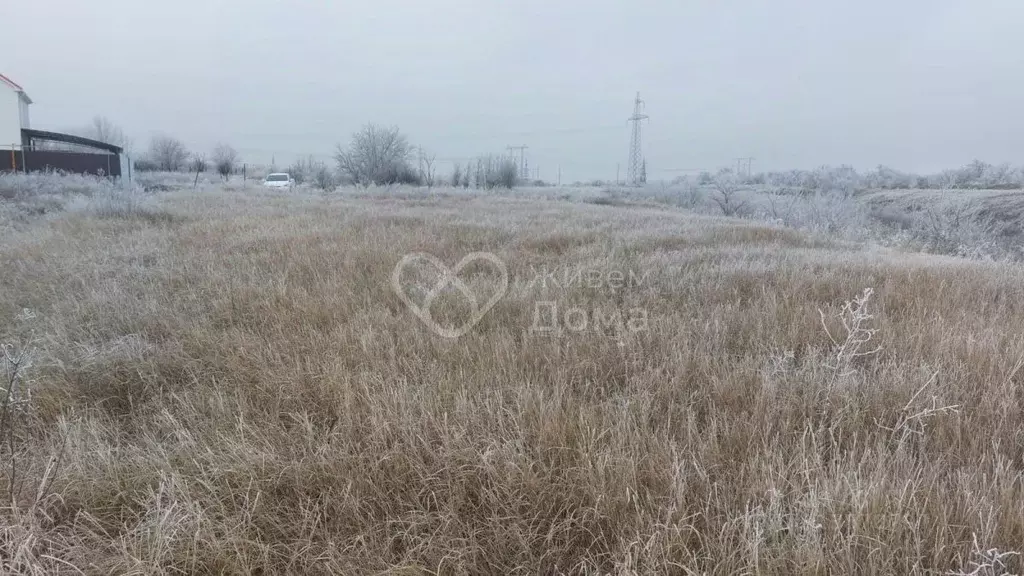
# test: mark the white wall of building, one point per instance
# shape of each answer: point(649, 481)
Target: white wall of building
point(10, 118)
point(23, 112)
point(126, 170)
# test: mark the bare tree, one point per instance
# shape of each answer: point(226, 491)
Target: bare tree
point(456, 175)
point(198, 164)
point(311, 171)
point(726, 187)
point(376, 155)
point(301, 169)
point(224, 158)
point(307, 170)
point(168, 154)
point(782, 211)
point(504, 174)
point(104, 130)
point(496, 172)
point(427, 171)
point(322, 177)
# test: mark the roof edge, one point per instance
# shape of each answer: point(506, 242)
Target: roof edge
point(16, 87)
point(70, 139)
point(11, 83)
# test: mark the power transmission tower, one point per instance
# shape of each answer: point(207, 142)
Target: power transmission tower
point(633, 168)
point(523, 173)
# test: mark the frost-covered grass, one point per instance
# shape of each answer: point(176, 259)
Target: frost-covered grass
point(163, 181)
point(970, 223)
point(239, 390)
point(973, 224)
point(25, 198)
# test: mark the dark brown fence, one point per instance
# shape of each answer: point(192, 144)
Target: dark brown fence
point(48, 160)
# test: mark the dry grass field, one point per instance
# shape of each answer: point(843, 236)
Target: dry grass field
point(226, 382)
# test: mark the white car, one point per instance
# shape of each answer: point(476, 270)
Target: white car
point(278, 180)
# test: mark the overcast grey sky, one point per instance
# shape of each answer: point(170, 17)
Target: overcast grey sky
point(916, 84)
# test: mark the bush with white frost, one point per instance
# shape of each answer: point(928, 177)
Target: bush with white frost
point(224, 159)
point(27, 196)
point(726, 193)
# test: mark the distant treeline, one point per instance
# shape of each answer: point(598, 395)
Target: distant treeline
point(975, 176)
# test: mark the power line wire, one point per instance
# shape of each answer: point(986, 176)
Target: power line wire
point(490, 134)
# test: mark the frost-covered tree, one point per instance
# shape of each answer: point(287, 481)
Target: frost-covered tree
point(377, 155)
point(167, 153)
point(104, 130)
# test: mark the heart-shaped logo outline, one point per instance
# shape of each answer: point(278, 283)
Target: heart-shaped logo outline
point(449, 276)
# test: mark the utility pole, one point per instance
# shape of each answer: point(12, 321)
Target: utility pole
point(523, 173)
point(636, 144)
point(559, 174)
point(617, 168)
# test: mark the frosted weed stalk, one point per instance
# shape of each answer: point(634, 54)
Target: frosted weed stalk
point(856, 336)
point(913, 420)
point(14, 395)
point(991, 562)
point(20, 550)
point(15, 399)
point(855, 342)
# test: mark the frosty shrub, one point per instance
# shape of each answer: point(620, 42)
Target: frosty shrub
point(24, 197)
point(27, 196)
point(224, 159)
point(953, 229)
point(827, 213)
point(23, 187)
point(726, 194)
